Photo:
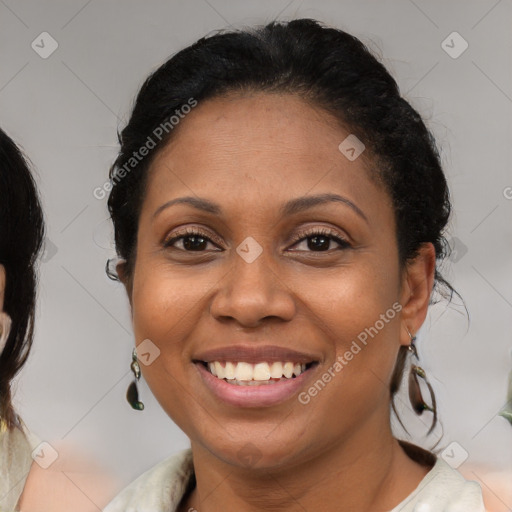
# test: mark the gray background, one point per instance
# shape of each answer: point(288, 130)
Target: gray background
point(64, 110)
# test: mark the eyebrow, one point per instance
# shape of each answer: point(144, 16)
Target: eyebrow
point(292, 207)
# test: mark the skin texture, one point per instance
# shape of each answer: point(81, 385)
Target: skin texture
point(496, 488)
point(73, 482)
point(250, 154)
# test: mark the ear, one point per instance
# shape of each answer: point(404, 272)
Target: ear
point(417, 284)
point(2, 286)
point(125, 278)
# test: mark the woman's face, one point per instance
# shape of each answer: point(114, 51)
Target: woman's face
point(265, 280)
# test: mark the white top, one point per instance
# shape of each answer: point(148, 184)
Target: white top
point(161, 489)
point(16, 447)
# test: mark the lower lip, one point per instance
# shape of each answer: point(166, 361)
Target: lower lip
point(264, 395)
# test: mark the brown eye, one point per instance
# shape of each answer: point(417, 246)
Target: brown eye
point(191, 240)
point(319, 240)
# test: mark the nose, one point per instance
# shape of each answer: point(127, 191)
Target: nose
point(252, 292)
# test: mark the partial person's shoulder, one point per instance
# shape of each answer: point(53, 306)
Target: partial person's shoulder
point(497, 484)
point(164, 485)
point(66, 478)
point(444, 489)
point(16, 446)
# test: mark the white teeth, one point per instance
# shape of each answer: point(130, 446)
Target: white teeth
point(243, 373)
point(261, 372)
point(288, 370)
point(276, 370)
point(229, 371)
point(219, 370)
point(252, 382)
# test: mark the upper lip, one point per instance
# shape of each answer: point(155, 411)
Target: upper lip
point(255, 354)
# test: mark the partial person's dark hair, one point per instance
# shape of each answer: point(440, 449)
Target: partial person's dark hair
point(331, 70)
point(21, 238)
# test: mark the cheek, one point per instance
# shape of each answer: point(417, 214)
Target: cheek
point(350, 300)
point(167, 306)
point(165, 301)
point(358, 313)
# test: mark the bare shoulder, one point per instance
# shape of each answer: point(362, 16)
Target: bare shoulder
point(496, 486)
point(73, 481)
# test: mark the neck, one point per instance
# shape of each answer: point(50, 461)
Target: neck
point(366, 471)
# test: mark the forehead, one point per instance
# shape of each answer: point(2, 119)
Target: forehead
point(259, 149)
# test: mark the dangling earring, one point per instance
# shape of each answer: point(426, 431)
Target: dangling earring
point(132, 394)
point(5, 329)
point(418, 404)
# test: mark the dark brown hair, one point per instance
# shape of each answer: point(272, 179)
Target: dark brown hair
point(21, 238)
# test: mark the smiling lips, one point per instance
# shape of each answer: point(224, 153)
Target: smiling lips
point(253, 365)
point(248, 374)
point(251, 376)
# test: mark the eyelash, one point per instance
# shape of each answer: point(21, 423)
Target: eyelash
point(302, 235)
